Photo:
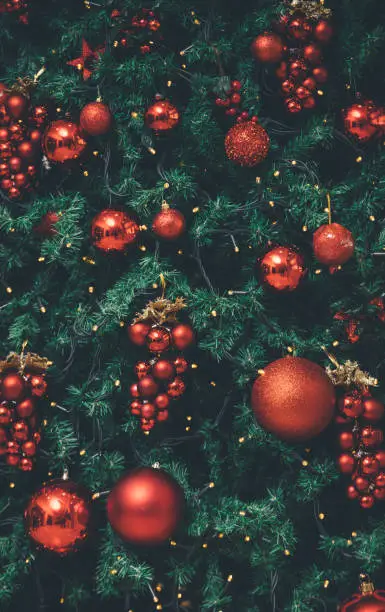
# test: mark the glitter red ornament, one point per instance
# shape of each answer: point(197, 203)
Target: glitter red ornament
point(333, 244)
point(145, 506)
point(113, 230)
point(247, 143)
point(293, 399)
point(162, 116)
point(268, 47)
point(57, 516)
point(169, 223)
point(95, 119)
point(63, 142)
point(282, 268)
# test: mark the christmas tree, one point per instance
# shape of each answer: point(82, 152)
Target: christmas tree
point(192, 314)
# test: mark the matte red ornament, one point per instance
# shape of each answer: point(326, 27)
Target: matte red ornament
point(333, 244)
point(96, 119)
point(162, 116)
point(320, 74)
point(351, 405)
point(162, 415)
point(323, 31)
point(361, 483)
point(309, 102)
point(62, 141)
point(13, 460)
point(46, 227)
point(346, 440)
point(380, 456)
point(113, 230)
point(181, 365)
point(356, 121)
point(158, 339)
point(182, 336)
point(163, 369)
point(57, 516)
point(294, 399)
point(373, 410)
point(137, 332)
point(147, 387)
point(312, 54)
point(148, 410)
point(379, 494)
point(282, 268)
point(169, 224)
point(162, 401)
point(38, 385)
point(16, 105)
point(346, 463)
point(145, 506)
point(247, 143)
point(12, 387)
point(268, 47)
point(351, 492)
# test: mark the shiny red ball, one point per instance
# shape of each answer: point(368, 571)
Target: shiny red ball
point(351, 492)
point(162, 415)
point(380, 480)
point(35, 136)
point(136, 407)
point(268, 47)
point(282, 268)
point(57, 516)
point(162, 401)
point(346, 440)
point(320, 74)
point(169, 224)
point(134, 390)
point(62, 141)
point(145, 506)
point(356, 121)
point(158, 339)
point(29, 448)
point(12, 387)
point(5, 414)
point(147, 387)
point(309, 102)
point(373, 410)
point(299, 28)
point(309, 83)
point(13, 460)
point(371, 437)
point(39, 115)
point(367, 501)
point(181, 365)
point(16, 105)
point(247, 143)
point(370, 466)
point(137, 332)
point(312, 54)
point(379, 494)
point(148, 410)
point(297, 68)
point(113, 230)
point(346, 463)
point(293, 105)
point(15, 164)
point(351, 405)
point(95, 119)
point(361, 483)
point(5, 172)
point(176, 388)
point(182, 336)
point(163, 369)
point(142, 368)
point(162, 116)
point(16, 132)
point(20, 431)
point(288, 86)
point(380, 456)
point(333, 244)
point(38, 385)
point(323, 31)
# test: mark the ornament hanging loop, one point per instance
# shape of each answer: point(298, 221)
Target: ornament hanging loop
point(329, 208)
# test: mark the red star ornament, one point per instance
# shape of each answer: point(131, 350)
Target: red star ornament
point(86, 62)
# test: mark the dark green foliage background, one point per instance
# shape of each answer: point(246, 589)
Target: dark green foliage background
point(262, 478)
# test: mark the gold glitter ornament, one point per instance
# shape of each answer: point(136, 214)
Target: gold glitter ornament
point(247, 143)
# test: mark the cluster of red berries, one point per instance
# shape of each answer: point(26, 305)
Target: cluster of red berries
point(297, 48)
point(360, 439)
point(160, 377)
point(19, 427)
point(15, 6)
point(145, 22)
point(20, 143)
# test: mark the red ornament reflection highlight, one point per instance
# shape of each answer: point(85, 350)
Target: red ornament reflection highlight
point(282, 268)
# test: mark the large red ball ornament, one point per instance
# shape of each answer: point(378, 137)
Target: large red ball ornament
point(333, 244)
point(12, 387)
point(62, 141)
point(95, 119)
point(371, 601)
point(356, 121)
point(162, 116)
point(247, 143)
point(113, 230)
point(294, 399)
point(268, 47)
point(145, 506)
point(57, 516)
point(282, 268)
point(169, 224)
point(182, 336)
point(137, 332)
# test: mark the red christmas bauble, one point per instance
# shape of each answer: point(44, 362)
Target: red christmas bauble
point(95, 119)
point(162, 401)
point(158, 339)
point(15, 164)
point(346, 463)
point(380, 480)
point(39, 115)
point(356, 121)
point(247, 143)
point(16, 132)
point(46, 227)
point(5, 414)
point(371, 437)
point(57, 516)
point(351, 492)
point(12, 387)
point(147, 387)
point(294, 399)
point(38, 385)
point(293, 105)
point(323, 31)
point(169, 224)
point(361, 483)
point(62, 141)
point(370, 466)
point(312, 54)
point(320, 74)
point(282, 268)
point(333, 244)
point(176, 388)
point(162, 415)
point(20, 431)
point(297, 68)
point(162, 116)
point(367, 501)
point(113, 230)
point(379, 494)
point(142, 368)
point(145, 506)
point(182, 336)
point(137, 332)
point(374, 601)
point(148, 410)
point(29, 448)
point(380, 456)
point(3, 93)
point(181, 365)
point(373, 410)
point(16, 105)
point(346, 440)
point(268, 47)
point(134, 390)
point(351, 405)
point(163, 369)
point(299, 28)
